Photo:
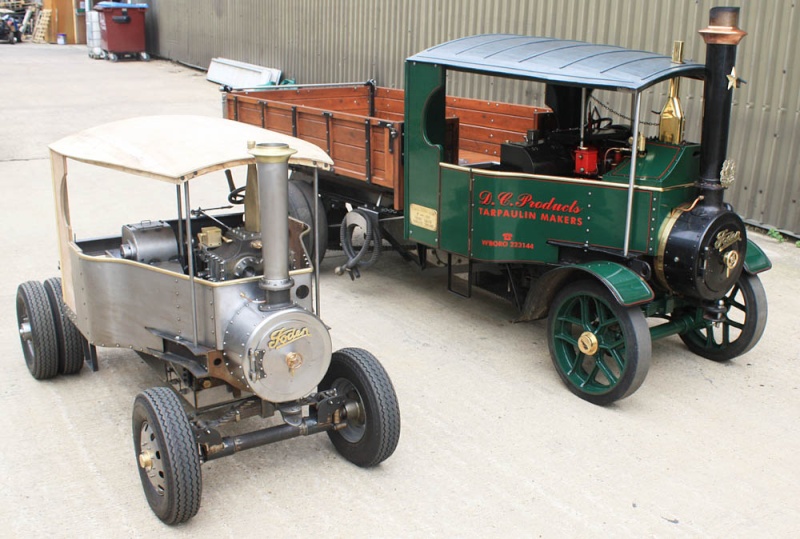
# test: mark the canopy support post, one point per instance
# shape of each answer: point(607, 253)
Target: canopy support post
point(190, 257)
point(632, 178)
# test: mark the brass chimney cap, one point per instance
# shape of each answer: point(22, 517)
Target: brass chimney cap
point(271, 152)
point(723, 27)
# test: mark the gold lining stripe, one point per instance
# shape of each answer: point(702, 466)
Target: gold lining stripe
point(562, 179)
point(663, 235)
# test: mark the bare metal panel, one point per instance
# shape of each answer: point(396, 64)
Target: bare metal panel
point(315, 41)
point(128, 298)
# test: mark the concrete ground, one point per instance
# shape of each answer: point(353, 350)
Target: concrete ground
point(492, 445)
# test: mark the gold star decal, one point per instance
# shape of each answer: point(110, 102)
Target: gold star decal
point(733, 80)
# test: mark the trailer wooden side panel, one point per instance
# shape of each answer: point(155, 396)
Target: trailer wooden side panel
point(360, 126)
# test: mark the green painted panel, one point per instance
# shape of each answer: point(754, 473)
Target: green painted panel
point(664, 165)
point(756, 260)
point(454, 211)
point(626, 285)
point(424, 149)
point(607, 208)
point(514, 217)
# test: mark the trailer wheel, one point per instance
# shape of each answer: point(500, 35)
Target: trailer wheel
point(741, 326)
point(70, 349)
point(37, 330)
point(167, 454)
point(372, 413)
point(301, 198)
point(600, 348)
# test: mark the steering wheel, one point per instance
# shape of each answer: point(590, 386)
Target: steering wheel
point(237, 195)
point(596, 122)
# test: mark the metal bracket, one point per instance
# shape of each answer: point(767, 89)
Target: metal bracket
point(90, 354)
point(197, 370)
point(392, 132)
point(195, 350)
point(450, 277)
point(396, 245)
point(368, 145)
point(328, 116)
point(327, 404)
point(372, 87)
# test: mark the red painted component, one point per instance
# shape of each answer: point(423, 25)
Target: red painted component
point(586, 161)
point(122, 28)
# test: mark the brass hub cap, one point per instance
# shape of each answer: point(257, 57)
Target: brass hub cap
point(150, 458)
point(587, 343)
point(145, 461)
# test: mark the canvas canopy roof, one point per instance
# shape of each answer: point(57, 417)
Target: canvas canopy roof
point(178, 148)
point(559, 61)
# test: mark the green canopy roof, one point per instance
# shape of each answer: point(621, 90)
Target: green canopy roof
point(558, 61)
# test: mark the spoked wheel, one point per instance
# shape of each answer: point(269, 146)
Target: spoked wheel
point(741, 325)
point(70, 350)
point(37, 330)
point(600, 349)
point(301, 200)
point(372, 413)
point(167, 455)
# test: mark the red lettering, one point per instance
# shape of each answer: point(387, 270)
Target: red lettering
point(505, 198)
point(526, 200)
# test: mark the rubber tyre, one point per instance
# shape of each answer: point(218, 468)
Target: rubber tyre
point(372, 437)
point(70, 348)
point(301, 197)
point(40, 344)
point(622, 358)
point(741, 328)
point(160, 426)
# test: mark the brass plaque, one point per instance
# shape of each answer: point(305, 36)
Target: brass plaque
point(423, 217)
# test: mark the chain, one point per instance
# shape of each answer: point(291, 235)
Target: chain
point(612, 111)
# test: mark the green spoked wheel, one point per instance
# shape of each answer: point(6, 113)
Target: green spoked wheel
point(600, 348)
point(740, 327)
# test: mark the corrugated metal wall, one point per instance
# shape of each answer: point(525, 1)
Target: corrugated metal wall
point(316, 41)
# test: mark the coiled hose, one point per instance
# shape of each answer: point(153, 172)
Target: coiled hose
point(357, 259)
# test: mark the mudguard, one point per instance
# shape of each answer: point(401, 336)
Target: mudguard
point(627, 286)
point(755, 260)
